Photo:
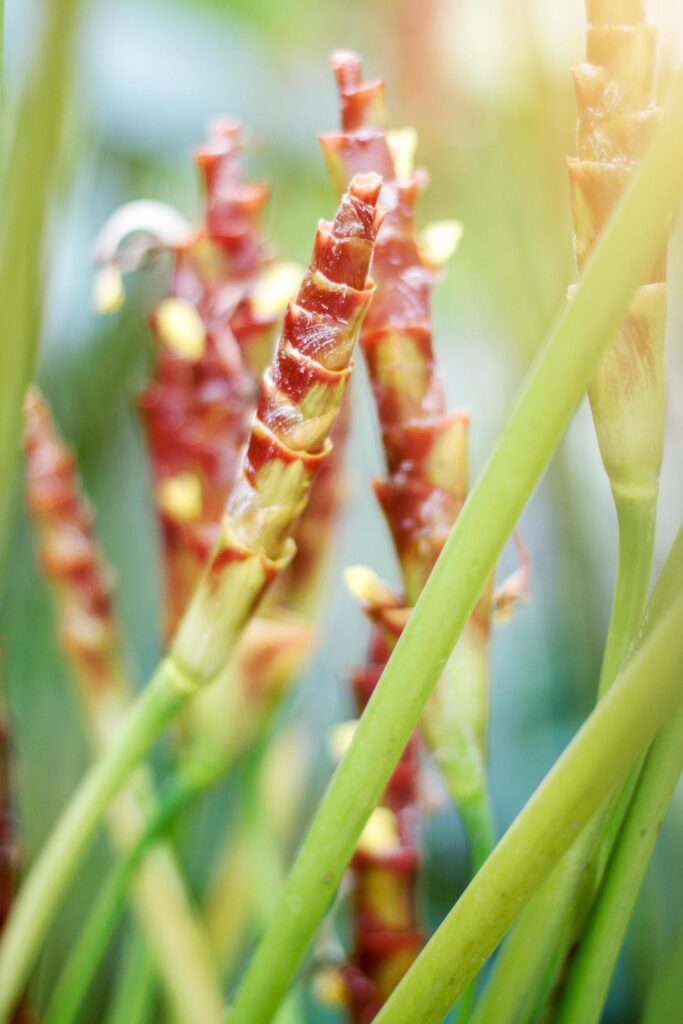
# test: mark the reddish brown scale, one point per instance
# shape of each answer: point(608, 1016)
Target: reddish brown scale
point(301, 395)
point(313, 533)
point(398, 322)
point(69, 552)
point(386, 937)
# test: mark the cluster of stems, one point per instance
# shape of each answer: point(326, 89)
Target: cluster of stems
point(617, 114)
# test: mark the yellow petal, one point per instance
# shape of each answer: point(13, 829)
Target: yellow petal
point(366, 586)
point(340, 738)
point(381, 832)
point(181, 497)
point(439, 241)
point(275, 288)
point(180, 326)
point(107, 293)
point(328, 987)
point(402, 144)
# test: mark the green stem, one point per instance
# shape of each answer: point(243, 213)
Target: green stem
point(549, 398)
point(636, 519)
point(589, 977)
point(39, 897)
point(522, 967)
point(136, 991)
point(663, 1005)
point(100, 926)
point(28, 176)
point(477, 819)
point(599, 758)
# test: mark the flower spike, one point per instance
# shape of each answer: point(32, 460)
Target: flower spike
point(300, 398)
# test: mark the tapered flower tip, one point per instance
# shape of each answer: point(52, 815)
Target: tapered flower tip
point(366, 187)
point(347, 68)
point(362, 103)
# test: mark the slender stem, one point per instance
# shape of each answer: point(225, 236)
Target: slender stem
point(28, 172)
point(548, 400)
point(136, 991)
point(522, 967)
point(589, 977)
point(647, 691)
point(477, 818)
point(39, 897)
point(98, 931)
point(636, 519)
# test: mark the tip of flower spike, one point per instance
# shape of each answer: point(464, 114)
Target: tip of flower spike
point(181, 497)
point(341, 738)
point(367, 587)
point(380, 833)
point(180, 326)
point(366, 187)
point(438, 242)
point(347, 68)
point(402, 144)
point(328, 987)
point(275, 288)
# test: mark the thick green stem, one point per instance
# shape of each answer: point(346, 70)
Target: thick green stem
point(522, 968)
point(663, 1004)
point(548, 400)
point(599, 758)
point(589, 978)
point(39, 897)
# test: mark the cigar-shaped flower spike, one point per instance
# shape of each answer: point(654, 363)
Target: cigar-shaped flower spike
point(300, 398)
point(425, 445)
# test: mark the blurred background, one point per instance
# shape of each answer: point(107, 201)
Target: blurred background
point(487, 85)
